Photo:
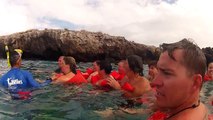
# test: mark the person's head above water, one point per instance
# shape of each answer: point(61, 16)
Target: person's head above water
point(121, 67)
point(105, 67)
point(153, 71)
point(70, 65)
point(133, 64)
point(181, 66)
point(61, 61)
point(15, 58)
point(96, 65)
point(210, 69)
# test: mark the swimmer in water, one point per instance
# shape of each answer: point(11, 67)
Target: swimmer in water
point(181, 66)
point(17, 81)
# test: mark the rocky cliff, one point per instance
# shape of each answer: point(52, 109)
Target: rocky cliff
point(85, 46)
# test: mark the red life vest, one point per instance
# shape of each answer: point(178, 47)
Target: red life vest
point(97, 78)
point(128, 87)
point(77, 79)
point(88, 72)
point(158, 116)
point(117, 76)
point(24, 94)
point(207, 78)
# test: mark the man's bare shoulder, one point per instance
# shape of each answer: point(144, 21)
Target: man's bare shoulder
point(199, 113)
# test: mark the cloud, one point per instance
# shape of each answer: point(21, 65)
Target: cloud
point(149, 22)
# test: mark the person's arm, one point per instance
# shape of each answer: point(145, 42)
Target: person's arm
point(113, 83)
point(140, 88)
point(32, 82)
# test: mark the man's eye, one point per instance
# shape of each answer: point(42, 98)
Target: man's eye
point(167, 73)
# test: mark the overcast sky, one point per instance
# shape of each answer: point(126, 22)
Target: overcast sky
point(150, 22)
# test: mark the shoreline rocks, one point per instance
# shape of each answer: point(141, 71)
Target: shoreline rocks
point(85, 46)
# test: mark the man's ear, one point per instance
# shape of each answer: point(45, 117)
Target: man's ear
point(197, 81)
point(18, 61)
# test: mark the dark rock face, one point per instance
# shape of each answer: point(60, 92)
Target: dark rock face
point(49, 44)
point(85, 46)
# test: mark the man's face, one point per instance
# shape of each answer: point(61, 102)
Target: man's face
point(65, 69)
point(61, 62)
point(153, 71)
point(96, 67)
point(210, 69)
point(121, 68)
point(126, 66)
point(173, 82)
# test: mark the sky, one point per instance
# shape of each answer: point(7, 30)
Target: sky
point(150, 22)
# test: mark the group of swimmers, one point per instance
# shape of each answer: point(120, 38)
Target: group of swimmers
point(128, 78)
point(176, 78)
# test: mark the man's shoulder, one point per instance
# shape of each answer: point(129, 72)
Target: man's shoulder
point(25, 71)
point(198, 113)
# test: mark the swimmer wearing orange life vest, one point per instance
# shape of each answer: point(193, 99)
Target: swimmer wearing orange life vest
point(70, 75)
point(209, 73)
point(60, 64)
point(90, 72)
point(134, 85)
point(153, 71)
point(57, 73)
point(100, 80)
point(121, 72)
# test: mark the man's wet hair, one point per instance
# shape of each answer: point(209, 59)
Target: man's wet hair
point(192, 58)
point(71, 62)
point(106, 66)
point(14, 57)
point(135, 64)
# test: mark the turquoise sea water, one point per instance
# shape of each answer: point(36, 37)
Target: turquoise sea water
point(59, 102)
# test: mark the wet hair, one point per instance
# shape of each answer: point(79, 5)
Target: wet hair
point(153, 63)
point(106, 66)
point(14, 57)
point(209, 63)
point(71, 62)
point(97, 62)
point(135, 64)
point(192, 58)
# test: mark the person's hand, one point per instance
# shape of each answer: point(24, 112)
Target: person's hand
point(113, 83)
point(39, 81)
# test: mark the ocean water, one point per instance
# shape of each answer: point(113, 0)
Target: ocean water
point(59, 102)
